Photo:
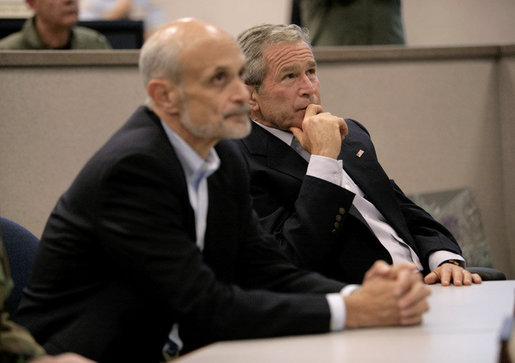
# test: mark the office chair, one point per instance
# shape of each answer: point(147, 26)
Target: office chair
point(21, 247)
point(458, 211)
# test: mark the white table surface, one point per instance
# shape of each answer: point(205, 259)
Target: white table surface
point(463, 325)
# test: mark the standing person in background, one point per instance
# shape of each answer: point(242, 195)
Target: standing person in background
point(155, 245)
point(53, 26)
point(350, 22)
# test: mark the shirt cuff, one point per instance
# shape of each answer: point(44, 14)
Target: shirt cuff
point(439, 257)
point(325, 168)
point(337, 307)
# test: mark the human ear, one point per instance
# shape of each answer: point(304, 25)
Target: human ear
point(253, 101)
point(164, 94)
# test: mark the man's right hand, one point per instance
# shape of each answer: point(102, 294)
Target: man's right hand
point(322, 133)
point(389, 295)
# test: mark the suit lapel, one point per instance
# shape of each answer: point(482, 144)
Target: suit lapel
point(373, 181)
point(279, 156)
point(364, 169)
point(168, 152)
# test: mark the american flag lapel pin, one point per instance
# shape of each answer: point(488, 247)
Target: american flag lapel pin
point(360, 153)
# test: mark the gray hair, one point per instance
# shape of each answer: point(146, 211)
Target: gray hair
point(255, 40)
point(159, 59)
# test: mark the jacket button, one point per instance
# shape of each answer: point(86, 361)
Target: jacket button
point(338, 217)
point(336, 225)
point(341, 210)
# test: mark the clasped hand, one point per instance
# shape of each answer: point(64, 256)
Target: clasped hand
point(388, 296)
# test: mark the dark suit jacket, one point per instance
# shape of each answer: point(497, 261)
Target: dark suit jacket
point(315, 220)
point(118, 264)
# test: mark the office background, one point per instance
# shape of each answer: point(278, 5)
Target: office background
point(434, 22)
point(441, 112)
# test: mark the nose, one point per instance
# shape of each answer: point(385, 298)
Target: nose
point(306, 86)
point(241, 93)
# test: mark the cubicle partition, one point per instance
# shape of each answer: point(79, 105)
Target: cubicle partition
point(441, 119)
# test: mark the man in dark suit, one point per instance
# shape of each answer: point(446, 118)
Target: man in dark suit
point(328, 201)
point(155, 245)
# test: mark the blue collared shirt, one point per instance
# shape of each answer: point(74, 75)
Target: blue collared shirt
point(197, 170)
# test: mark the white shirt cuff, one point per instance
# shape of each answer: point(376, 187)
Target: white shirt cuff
point(337, 307)
point(325, 168)
point(436, 258)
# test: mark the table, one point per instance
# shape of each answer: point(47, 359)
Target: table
point(463, 325)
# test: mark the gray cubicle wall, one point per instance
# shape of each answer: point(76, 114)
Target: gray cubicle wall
point(441, 118)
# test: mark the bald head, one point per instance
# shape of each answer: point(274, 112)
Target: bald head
point(162, 54)
point(189, 32)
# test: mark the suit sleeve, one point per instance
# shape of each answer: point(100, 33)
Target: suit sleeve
point(308, 227)
point(145, 229)
point(428, 234)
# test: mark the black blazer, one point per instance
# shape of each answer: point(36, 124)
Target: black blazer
point(314, 219)
point(118, 264)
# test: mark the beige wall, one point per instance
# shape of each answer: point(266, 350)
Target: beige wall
point(427, 22)
point(459, 22)
point(53, 119)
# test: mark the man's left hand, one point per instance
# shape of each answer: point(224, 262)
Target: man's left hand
point(448, 272)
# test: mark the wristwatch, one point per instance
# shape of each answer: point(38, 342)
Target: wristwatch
point(454, 262)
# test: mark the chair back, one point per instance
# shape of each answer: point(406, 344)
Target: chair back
point(21, 248)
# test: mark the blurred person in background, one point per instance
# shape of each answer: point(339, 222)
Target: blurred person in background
point(146, 10)
point(350, 22)
point(53, 26)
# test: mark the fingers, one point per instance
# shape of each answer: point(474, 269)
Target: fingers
point(469, 278)
point(344, 129)
point(431, 278)
point(313, 110)
point(458, 276)
point(379, 268)
point(447, 273)
point(476, 279)
point(442, 274)
point(410, 267)
point(406, 278)
point(413, 304)
point(417, 292)
point(299, 135)
point(321, 132)
point(376, 304)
